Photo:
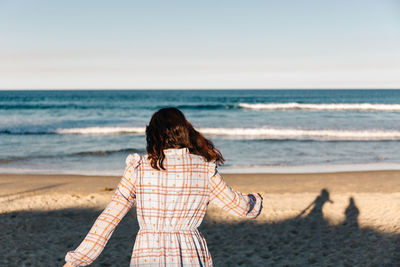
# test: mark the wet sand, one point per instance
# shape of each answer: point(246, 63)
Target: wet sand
point(320, 219)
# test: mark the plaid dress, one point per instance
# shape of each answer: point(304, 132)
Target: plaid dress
point(170, 206)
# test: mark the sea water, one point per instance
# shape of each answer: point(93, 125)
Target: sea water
point(92, 131)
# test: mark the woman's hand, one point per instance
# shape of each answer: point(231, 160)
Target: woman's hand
point(68, 265)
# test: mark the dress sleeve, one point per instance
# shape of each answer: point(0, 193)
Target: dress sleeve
point(236, 203)
point(102, 229)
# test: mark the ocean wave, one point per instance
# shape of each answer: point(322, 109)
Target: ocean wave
point(96, 153)
point(39, 106)
point(276, 133)
point(265, 133)
point(102, 130)
point(206, 106)
point(108, 152)
point(6, 106)
point(25, 132)
point(258, 133)
point(328, 107)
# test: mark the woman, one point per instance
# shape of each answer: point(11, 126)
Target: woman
point(171, 186)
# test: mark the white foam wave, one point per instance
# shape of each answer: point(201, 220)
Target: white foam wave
point(274, 133)
point(258, 133)
point(344, 106)
point(102, 130)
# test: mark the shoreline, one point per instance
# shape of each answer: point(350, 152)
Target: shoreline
point(386, 181)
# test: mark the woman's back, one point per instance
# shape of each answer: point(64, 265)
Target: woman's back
point(176, 198)
point(170, 205)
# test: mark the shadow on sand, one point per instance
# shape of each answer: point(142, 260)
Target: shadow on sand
point(41, 238)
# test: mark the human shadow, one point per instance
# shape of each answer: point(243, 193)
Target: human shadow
point(315, 214)
point(42, 238)
point(352, 213)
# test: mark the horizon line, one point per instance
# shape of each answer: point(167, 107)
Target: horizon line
point(185, 89)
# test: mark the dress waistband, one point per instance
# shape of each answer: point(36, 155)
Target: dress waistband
point(181, 231)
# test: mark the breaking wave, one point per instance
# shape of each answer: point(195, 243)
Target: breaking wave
point(258, 133)
point(327, 107)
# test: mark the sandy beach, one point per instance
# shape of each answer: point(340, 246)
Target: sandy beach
point(319, 219)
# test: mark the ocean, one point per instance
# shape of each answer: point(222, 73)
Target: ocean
point(269, 131)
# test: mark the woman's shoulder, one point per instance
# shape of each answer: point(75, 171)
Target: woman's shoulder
point(133, 160)
point(200, 160)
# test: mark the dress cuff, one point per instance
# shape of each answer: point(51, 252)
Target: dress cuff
point(69, 260)
point(255, 205)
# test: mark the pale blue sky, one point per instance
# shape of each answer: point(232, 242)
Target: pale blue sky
point(199, 44)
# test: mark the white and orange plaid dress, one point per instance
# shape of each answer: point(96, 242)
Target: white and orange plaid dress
point(170, 206)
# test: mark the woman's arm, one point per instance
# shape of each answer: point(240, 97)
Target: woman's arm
point(98, 236)
point(236, 203)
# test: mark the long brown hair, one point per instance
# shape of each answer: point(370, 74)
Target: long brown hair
point(168, 128)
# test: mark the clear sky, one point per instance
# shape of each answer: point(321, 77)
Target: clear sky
point(98, 44)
